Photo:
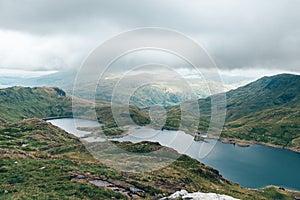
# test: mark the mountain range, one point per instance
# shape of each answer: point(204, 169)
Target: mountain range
point(169, 91)
point(265, 111)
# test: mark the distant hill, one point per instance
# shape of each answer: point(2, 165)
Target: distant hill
point(169, 92)
point(17, 103)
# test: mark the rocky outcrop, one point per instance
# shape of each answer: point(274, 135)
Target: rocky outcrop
point(183, 194)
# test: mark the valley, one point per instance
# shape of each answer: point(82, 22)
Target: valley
point(262, 112)
point(154, 100)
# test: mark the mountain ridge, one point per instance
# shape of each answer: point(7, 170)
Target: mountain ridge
point(273, 91)
point(274, 100)
point(265, 111)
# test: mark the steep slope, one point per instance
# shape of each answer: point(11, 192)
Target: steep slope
point(278, 126)
point(41, 161)
point(266, 93)
point(266, 111)
point(18, 103)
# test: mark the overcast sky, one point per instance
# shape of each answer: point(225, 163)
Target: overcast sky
point(238, 34)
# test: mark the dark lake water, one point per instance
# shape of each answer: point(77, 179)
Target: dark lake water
point(253, 167)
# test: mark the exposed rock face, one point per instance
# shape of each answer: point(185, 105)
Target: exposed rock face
point(60, 91)
point(183, 194)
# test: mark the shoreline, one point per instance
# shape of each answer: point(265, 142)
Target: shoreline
point(247, 143)
point(234, 141)
point(52, 118)
point(282, 188)
point(241, 143)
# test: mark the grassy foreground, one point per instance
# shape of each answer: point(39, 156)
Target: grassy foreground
point(41, 161)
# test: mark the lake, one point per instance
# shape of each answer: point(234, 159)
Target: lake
point(252, 167)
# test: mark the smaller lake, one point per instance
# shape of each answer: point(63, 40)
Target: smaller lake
point(252, 167)
point(70, 125)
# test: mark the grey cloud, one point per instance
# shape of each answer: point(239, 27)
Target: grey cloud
point(237, 34)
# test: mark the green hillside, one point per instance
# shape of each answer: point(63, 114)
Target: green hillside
point(41, 161)
point(17, 103)
point(280, 126)
point(266, 93)
point(266, 111)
